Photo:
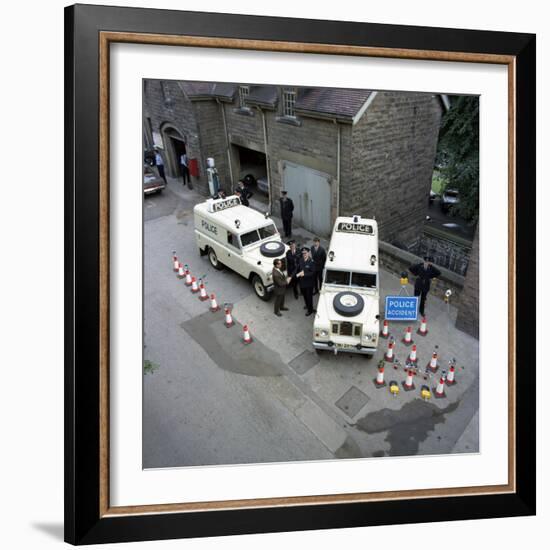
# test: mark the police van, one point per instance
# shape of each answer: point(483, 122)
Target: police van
point(348, 310)
point(240, 238)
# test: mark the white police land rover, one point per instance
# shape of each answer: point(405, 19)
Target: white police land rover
point(348, 311)
point(241, 239)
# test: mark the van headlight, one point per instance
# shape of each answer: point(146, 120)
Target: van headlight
point(370, 336)
point(323, 333)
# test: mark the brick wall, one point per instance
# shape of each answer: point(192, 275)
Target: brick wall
point(468, 311)
point(393, 152)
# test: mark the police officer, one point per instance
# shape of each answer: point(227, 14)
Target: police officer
point(424, 272)
point(287, 208)
point(292, 263)
point(279, 287)
point(306, 278)
point(242, 196)
point(319, 257)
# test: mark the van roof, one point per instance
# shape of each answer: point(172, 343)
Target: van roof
point(353, 244)
point(249, 218)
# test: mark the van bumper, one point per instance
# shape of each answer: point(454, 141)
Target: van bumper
point(331, 346)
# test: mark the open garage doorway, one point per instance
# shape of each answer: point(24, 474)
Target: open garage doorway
point(252, 169)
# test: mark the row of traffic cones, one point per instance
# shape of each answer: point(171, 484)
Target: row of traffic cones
point(199, 287)
point(407, 338)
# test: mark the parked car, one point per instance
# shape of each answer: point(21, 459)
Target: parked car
point(152, 182)
point(449, 198)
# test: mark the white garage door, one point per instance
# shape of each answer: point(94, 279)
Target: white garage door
point(310, 192)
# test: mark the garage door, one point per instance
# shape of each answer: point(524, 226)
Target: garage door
point(310, 192)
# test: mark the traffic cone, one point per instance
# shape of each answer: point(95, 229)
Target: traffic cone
point(181, 272)
point(175, 261)
point(247, 339)
point(384, 333)
point(379, 380)
point(203, 296)
point(394, 388)
point(432, 365)
point(407, 339)
point(188, 278)
point(389, 353)
point(408, 384)
point(439, 392)
point(423, 329)
point(194, 285)
point(213, 304)
point(450, 380)
point(228, 318)
point(412, 355)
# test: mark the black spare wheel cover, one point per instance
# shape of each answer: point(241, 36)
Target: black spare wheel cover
point(348, 303)
point(272, 249)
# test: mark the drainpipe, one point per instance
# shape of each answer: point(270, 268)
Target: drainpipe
point(338, 146)
point(267, 160)
point(226, 143)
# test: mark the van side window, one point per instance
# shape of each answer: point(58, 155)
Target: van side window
point(233, 240)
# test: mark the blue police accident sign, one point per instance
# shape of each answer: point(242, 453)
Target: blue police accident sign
point(401, 308)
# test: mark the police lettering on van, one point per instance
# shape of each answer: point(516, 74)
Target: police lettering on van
point(239, 238)
point(348, 310)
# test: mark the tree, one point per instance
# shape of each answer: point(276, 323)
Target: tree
point(458, 153)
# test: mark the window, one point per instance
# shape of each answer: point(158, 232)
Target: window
point(289, 101)
point(267, 231)
point(233, 240)
point(243, 94)
point(333, 277)
point(364, 280)
point(249, 238)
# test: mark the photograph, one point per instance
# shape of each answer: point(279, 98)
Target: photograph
point(310, 273)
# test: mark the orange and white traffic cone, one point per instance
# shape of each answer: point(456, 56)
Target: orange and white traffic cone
point(202, 296)
point(213, 304)
point(379, 380)
point(423, 329)
point(228, 318)
point(408, 384)
point(439, 391)
point(412, 355)
point(450, 380)
point(432, 365)
point(188, 278)
point(181, 272)
point(194, 285)
point(247, 339)
point(384, 333)
point(407, 339)
point(175, 261)
point(389, 353)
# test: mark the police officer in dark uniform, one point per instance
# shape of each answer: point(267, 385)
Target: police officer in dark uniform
point(424, 272)
point(287, 208)
point(319, 256)
point(306, 278)
point(292, 263)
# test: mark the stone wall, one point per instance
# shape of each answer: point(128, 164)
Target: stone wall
point(393, 153)
point(468, 312)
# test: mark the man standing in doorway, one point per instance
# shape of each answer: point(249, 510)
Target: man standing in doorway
point(305, 277)
point(184, 168)
point(160, 165)
point(424, 272)
point(319, 257)
point(287, 207)
point(279, 287)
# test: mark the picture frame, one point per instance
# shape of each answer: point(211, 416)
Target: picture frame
point(89, 33)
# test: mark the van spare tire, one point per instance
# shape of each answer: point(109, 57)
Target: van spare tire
point(348, 304)
point(272, 249)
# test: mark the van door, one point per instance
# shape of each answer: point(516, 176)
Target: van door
point(232, 255)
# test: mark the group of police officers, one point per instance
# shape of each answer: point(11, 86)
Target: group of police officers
point(304, 271)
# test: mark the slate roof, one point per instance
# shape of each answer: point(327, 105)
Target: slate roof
point(264, 96)
point(209, 90)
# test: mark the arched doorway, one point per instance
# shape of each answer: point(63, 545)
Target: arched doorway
point(175, 146)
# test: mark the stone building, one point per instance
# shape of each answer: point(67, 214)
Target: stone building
point(336, 151)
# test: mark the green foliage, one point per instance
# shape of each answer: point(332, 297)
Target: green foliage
point(458, 153)
point(149, 367)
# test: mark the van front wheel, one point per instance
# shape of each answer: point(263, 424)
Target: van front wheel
point(216, 264)
point(260, 289)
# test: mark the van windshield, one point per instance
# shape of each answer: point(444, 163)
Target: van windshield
point(333, 277)
point(267, 231)
point(250, 237)
point(364, 280)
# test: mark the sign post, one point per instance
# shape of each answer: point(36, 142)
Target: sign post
point(401, 308)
